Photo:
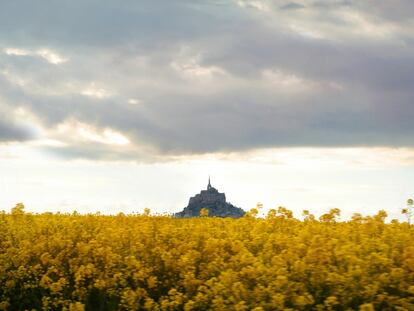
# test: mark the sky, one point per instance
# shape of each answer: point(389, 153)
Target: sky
point(114, 106)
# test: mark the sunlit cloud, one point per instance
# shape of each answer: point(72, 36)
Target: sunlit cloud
point(17, 52)
point(305, 31)
point(254, 4)
point(362, 24)
point(50, 56)
point(77, 130)
point(314, 159)
point(286, 81)
point(134, 101)
point(96, 92)
point(191, 68)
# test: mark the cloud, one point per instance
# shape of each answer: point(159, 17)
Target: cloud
point(189, 77)
point(292, 6)
point(48, 55)
point(11, 130)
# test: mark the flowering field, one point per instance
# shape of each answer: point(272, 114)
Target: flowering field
point(95, 262)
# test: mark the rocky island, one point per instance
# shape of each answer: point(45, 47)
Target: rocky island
point(213, 201)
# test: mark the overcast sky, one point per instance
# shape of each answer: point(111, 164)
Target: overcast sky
point(119, 105)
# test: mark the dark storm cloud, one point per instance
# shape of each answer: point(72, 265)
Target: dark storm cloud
point(193, 77)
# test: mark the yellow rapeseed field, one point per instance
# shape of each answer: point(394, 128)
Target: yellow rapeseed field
point(140, 262)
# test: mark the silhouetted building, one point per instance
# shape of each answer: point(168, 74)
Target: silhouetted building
point(212, 200)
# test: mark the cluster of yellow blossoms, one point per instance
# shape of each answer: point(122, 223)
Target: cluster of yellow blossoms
point(140, 262)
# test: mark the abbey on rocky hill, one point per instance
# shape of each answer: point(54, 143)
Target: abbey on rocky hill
point(212, 200)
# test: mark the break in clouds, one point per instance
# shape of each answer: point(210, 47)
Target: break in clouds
point(143, 80)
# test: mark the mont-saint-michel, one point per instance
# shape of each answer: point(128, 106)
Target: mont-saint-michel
point(212, 200)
